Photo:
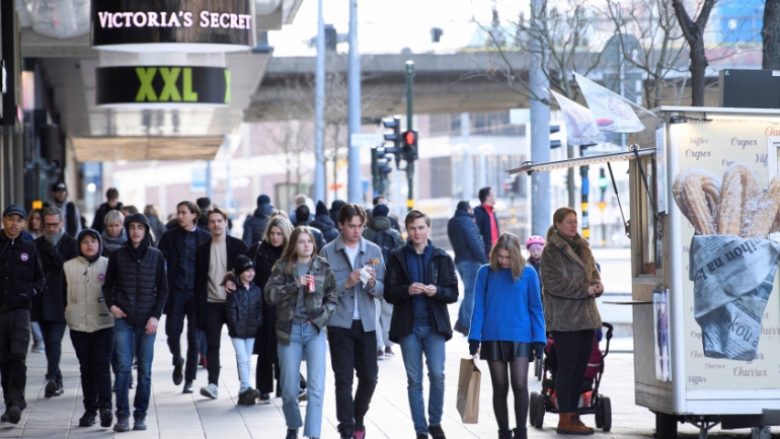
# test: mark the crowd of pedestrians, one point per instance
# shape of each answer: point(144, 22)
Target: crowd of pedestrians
point(296, 285)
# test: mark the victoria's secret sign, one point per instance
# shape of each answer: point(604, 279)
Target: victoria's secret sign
point(117, 23)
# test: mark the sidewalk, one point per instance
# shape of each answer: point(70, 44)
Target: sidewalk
point(173, 415)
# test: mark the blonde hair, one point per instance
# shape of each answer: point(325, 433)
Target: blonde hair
point(112, 217)
point(511, 243)
point(290, 256)
point(283, 224)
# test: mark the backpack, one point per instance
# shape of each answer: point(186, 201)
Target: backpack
point(386, 242)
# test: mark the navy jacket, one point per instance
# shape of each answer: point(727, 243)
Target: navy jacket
point(465, 239)
point(245, 311)
point(21, 275)
point(171, 245)
point(254, 225)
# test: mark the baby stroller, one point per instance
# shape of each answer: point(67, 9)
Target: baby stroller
point(591, 401)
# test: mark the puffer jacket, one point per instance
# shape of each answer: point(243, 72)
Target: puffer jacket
point(326, 226)
point(282, 291)
point(136, 282)
point(567, 306)
point(86, 309)
point(245, 311)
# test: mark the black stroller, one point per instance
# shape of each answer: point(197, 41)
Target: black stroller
point(591, 401)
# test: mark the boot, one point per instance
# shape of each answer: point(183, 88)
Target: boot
point(576, 420)
point(504, 434)
point(568, 425)
point(520, 433)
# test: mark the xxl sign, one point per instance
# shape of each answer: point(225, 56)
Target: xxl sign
point(126, 24)
point(163, 85)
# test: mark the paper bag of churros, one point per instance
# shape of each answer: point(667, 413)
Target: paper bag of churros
point(733, 256)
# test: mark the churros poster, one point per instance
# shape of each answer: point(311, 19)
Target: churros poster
point(729, 200)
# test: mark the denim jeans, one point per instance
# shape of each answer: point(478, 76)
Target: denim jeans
point(424, 340)
point(182, 307)
point(52, 340)
point(468, 274)
point(14, 340)
point(93, 349)
point(244, 347)
point(306, 342)
point(129, 339)
point(384, 312)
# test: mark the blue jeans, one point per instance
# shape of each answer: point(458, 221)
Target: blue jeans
point(309, 343)
point(129, 339)
point(244, 347)
point(423, 340)
point(468, 274)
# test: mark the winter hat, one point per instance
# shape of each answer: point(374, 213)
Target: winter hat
point(534, 240)
point(263, 199)
point(138, 218)
point(321, 209)
point(242, 264)
point(93, 233)
point(380, 210)
point(15, 209)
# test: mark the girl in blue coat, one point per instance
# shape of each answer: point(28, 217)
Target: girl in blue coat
point(508, 322)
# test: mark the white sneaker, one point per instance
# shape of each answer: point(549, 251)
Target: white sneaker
point(380, 354)
point(210, 391)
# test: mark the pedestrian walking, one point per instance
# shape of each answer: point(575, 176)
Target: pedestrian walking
point(485, 217)
point(135, 290)
point(245, 315)
point(213, 259)
point(470, 254)
point(254, 225)
point(71, 217)
point(535, 245)
point(420, 283)
point(158, 228)
point(359, 272)
point(34, 227)
point(112, 203)
point(507, 326)
point(323, 222)
point(54, 248)
point(114, 235)
point(303, 289)
point(570, 284)
point(22, 278)
point(179, 245)
point(91, 326)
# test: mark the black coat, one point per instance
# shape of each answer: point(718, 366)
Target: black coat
point(482, 218)
point(440, 272)
point(245, 311)
point(21, 274)
point(100, 215)
point(254, 225)
point(50, 304)
point(265, 256)
point(234, 247)
point(465, 239)
point(325, 225)
point(136, 282)
point(169, 245)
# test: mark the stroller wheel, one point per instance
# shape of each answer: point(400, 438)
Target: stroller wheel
point(604, 412)
point(536, 412)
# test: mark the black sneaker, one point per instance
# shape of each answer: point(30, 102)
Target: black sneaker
point(291, 434)
point(178, 376)
point(187, 387)
point(422, 436)
point(53, 388)
point(264, 399)
point(14, 414)
point(122, 425)
point(4, 417)
point(139, 424)
point(106, 418)
point(87, 419)
point(436, 432)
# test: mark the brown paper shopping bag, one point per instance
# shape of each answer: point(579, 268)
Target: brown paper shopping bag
point(468, 391)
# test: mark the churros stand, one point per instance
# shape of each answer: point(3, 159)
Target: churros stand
point(704, 226)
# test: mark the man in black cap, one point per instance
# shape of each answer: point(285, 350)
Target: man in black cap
point(21, 278)
point(71, 216)
point(254, 225)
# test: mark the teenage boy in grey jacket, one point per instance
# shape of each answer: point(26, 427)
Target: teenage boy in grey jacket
point(359, 271)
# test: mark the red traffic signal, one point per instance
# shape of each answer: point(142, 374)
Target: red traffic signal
point(410, 138)
point(409, 148)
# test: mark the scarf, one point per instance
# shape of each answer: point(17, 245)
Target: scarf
point(580, 247)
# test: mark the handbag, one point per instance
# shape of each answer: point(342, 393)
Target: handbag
point(467, 402)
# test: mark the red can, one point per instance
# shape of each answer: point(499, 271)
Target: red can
point(311, 286)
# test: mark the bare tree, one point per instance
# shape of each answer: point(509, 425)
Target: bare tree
point(693, 30)
point(770, 33)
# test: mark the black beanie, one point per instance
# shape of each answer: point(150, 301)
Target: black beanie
point(242, 264)
point(380, 210)
point(322, 209)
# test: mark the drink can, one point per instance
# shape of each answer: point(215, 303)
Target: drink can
point(310, 286)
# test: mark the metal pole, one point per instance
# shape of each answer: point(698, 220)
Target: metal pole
point(540, 128)
point(468, 166)
point(319, 109)
point(409, 118)
point(353, 183)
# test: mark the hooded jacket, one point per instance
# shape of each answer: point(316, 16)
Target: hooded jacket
point(245, 310)
point(323, 222)
point(50, 304)
point(465, 239)
point(254, 225)
point(135, 278)
point(21, 274)
point(567, 306)
point(86, 309)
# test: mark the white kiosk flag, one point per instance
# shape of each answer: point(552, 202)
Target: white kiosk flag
point(611, 111)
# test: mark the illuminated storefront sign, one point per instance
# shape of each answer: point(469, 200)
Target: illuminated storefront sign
point(154, 85)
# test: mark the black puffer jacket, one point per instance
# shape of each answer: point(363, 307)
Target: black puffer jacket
point(326, 226)
point(21, 275)
point(50, 304)
point(136, 280)
point(245, 311)
point(254, 225)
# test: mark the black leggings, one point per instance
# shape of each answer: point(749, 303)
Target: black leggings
point(573, 349)
point(518, 368)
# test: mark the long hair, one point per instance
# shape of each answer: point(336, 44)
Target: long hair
point(511, 243)
point(290, 256)
point(560, 214)
point(283, 224)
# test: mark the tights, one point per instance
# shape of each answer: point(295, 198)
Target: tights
point(499, 376)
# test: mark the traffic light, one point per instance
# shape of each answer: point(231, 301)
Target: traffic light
point(555, 143)
point(409, 147)
point(380, 168)
point(393, 136)
point(602, 185)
